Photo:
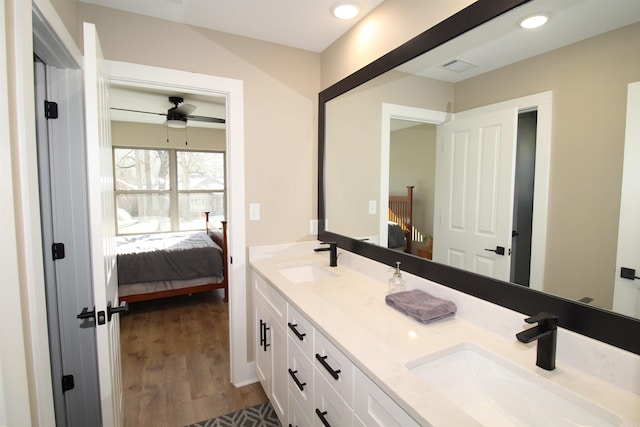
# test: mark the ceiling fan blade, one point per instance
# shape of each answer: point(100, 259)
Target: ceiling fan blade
point(186, 109)
point(138, 111)
point(206, 119)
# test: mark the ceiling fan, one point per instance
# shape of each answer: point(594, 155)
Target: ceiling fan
point(178, 115)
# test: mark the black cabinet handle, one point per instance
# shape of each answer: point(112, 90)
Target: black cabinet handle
point(322, 418)
point(323, 362)
point(498, 250)
point(296, 380)
point(295, 331)
point(263, 335)
point(265, 345)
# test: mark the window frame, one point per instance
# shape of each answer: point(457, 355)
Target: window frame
point(173, 191)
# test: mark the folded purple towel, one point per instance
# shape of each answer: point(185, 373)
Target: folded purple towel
point(421, 306)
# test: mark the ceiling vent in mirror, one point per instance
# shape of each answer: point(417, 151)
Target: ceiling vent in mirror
point(458, 65)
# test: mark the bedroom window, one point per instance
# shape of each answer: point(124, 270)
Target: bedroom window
point(167, 190)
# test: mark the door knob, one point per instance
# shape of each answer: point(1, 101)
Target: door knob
point(498, 250)
point(87, 314)
point(122, 308)
point(628, 273)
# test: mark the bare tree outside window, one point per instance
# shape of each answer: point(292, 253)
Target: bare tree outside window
point(145, 199)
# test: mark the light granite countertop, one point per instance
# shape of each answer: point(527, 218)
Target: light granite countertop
point(350, 309)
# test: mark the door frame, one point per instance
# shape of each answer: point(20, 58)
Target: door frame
point(399, 112)
point(136, 75)
point(30, 27)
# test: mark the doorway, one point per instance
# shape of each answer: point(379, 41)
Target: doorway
point(525, 166)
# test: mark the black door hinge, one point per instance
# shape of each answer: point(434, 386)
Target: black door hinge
point(230, 260)
point(50, 110)
point(57, 250)
point(67, 383)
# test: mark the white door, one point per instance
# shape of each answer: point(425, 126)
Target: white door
point(102, 229)
point(626, 297)
point(474, 193)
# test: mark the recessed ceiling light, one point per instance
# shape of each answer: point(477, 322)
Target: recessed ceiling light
point(345, 10)
point(535, 21)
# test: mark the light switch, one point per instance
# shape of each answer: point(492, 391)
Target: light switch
point(372, 207)
point(254, 211)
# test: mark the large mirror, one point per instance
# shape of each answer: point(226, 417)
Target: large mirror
point(511, 144)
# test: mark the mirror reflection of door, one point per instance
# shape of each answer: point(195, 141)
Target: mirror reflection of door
point(626, 297)
point(474, 193)
point(516, 205)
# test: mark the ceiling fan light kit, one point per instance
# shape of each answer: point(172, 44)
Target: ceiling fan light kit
point(178, 115)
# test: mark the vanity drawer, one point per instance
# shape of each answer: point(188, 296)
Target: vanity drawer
point(298, 417)
point(300, 331)
point(375, 408)
point(300, 369)
point(334, 366)
point(328, 404)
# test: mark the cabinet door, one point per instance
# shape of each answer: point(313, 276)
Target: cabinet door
point(374, 408)
point(263, 355)
point(279, 375)
point(329, 408)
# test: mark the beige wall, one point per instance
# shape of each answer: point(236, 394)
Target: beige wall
point(589, 83)
point(382, 30)
point(281, 86)
point(68, 12)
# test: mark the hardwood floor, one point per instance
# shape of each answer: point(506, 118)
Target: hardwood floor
point(175, 362)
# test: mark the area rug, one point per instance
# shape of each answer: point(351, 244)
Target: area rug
point(261, 415)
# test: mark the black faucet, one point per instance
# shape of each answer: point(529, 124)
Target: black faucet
point(333, 252)
point(546, 333)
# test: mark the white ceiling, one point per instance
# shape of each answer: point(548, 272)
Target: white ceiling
point(503, 42)
point(488, 47)
point(304, 24)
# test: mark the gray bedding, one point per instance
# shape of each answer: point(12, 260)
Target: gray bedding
point(167, 256)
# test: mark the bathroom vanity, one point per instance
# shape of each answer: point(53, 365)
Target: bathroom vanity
point(329, 351)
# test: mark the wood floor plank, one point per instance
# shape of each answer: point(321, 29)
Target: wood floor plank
point(175, 362)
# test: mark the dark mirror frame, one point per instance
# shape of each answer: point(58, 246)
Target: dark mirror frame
point(615, 329)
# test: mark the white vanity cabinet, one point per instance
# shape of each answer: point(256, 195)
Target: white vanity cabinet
point(271, 344)
point(308, 379)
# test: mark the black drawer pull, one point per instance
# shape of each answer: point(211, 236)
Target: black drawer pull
point(322, 418)
point(323, 362)
point(295, 331)
point(296, 380)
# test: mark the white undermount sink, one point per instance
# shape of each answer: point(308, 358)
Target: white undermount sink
point(497, 393)
point(304, 271)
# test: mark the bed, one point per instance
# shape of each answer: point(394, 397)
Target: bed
point(152, 266)
point(400, 224)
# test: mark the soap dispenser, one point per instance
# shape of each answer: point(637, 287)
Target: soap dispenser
point(396, 283)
